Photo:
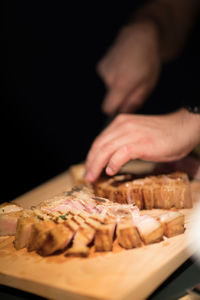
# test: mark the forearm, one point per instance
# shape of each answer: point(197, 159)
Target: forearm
point(174, 20)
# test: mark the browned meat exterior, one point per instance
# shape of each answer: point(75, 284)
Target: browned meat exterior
point(104, 237)
point(173, 223)
point(83, 237)
point(74, 220)
point(39, 234)
point(57, 238)
point(163, 191)
point(23, 232)
point(128, 236)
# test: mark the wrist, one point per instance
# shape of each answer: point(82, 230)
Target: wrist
point(194, 108)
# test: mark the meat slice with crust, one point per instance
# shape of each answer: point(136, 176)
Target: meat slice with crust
point(173, 223)
point(127, 235)
point(57, 238)
point(104, 237)
point(83, 237)
point(150, 230)
point(23, 232)
point(39, 234)
point(9, 214)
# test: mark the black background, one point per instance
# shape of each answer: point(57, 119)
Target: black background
point(51, 95)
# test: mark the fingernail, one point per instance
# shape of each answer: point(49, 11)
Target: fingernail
point(110, 171)
point(89, 176)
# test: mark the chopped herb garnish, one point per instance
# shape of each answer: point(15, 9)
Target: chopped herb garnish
point(64, 216)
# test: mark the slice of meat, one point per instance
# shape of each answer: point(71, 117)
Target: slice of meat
point(6, 208)
point(104, 237)
point(83, 237)
point(183, 195)
point(112, 188)
point(9, 214)
point(23, 232)
point(127, 234)
point(167, 196)
point(135, 194)
point(8, 223)
point(57, 238)
point(148, 195)
point(173, 223)
point(150, 230)
point(39, 234)
point(90, 220)
point(71, 224)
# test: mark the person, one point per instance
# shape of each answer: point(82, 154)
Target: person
point(155, 35)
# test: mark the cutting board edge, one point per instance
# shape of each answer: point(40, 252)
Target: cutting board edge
point(152, 285)
point(55, 293)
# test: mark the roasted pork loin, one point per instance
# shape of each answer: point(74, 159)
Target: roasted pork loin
point(162, 191)
point(76, 219)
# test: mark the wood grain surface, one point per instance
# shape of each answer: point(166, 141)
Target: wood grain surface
point(118, 275)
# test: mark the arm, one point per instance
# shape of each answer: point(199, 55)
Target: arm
point(132, 65)
point(154, 138)
point(174, 19)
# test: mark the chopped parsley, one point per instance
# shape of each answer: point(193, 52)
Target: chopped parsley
point(64, 216)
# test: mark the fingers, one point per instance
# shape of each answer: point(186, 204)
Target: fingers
point(118, 90)
point(109, 134)
point(134, 100)
point(120, 157)
point(101, 155)
point(114, 157)
point(113, 100)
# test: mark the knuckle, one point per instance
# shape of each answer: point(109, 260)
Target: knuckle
point(126, 150)
point(120, 82)
point(107, 146)
point(96, 144)
point(120, 118)
point(113, 164)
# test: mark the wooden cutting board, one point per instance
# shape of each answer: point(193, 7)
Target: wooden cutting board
point(121, 274)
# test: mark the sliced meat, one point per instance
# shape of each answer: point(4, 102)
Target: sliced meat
point(173, 223)
point(39, 234)
point(57, 238)
point(150, 230)
point(83, 237)
point(23, 232)
point(104, 237)
point(8, 223)
point(127, 234)
point(9, 214)
point(6, 208)
point(162, 191)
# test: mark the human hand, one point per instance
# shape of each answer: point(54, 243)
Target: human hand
point(153, 138)
point(131, 67)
